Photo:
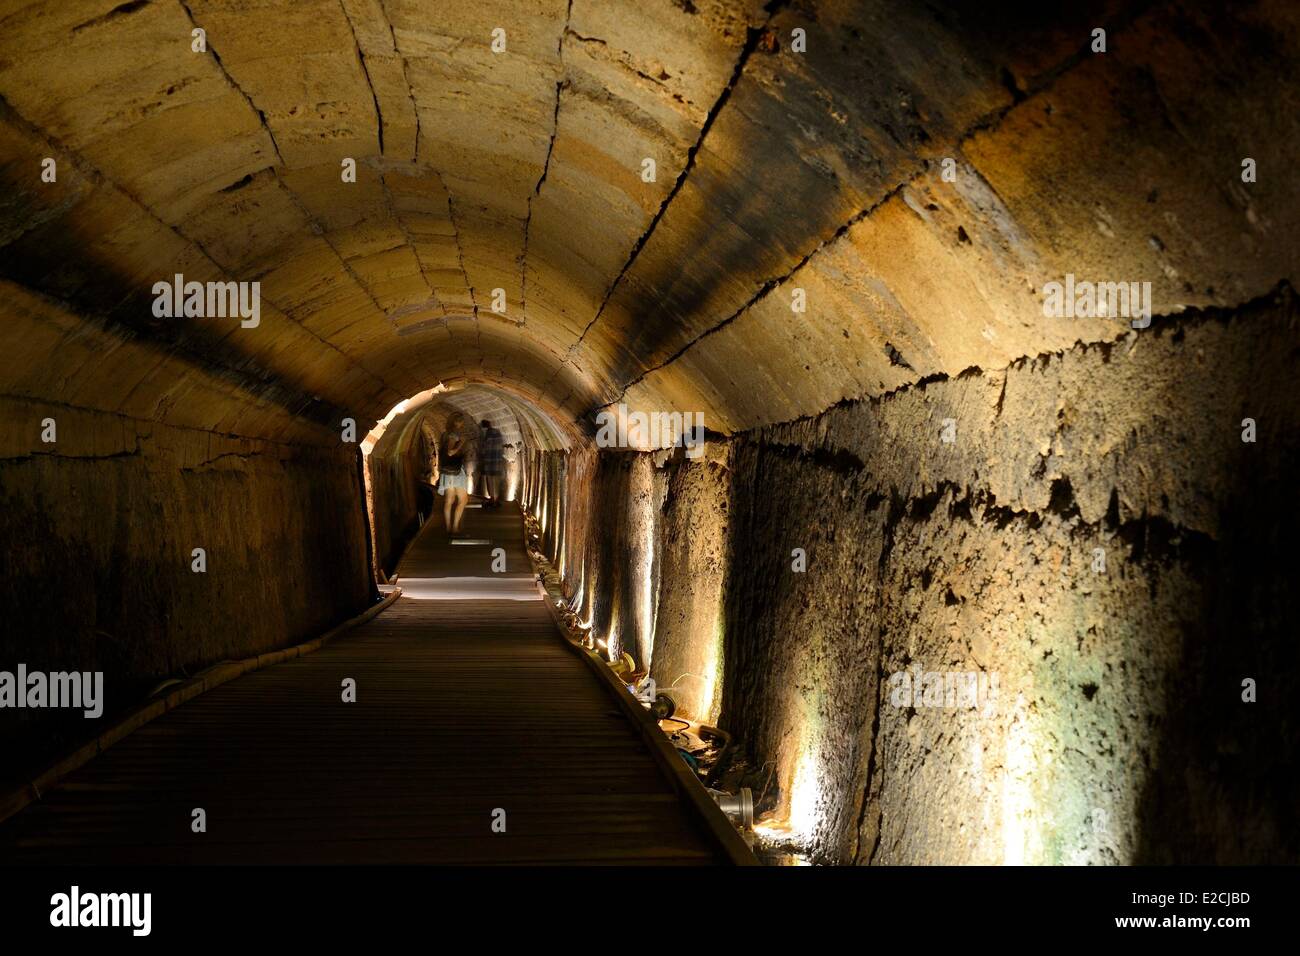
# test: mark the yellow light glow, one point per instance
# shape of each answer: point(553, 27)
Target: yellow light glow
point(645, 586)
point(613, 634)
point(372, 437)
point(1018, 838)
point(709, 688)
point(578, 593)
point(805, 793)
point(712, 690)
point(772, 831)
point(798, 821)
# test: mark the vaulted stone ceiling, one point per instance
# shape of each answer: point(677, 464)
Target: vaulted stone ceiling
point(521, 170)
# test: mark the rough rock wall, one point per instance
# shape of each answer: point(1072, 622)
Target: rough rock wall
point(395, 494)
point(641, 541)
point(601, 525)
point(1082, 542)
point(99, 530)
point(546, 489)
point(690, 629)
point(399, 469)
point(1116, 729)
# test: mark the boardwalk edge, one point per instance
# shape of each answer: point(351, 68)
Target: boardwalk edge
point(705, 810)
point(20, 797)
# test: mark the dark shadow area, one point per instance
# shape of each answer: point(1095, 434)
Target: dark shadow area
point(1225, 784)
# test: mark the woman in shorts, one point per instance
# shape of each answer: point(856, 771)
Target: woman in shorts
point(453, 480)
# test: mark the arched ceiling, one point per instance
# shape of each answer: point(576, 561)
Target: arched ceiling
point(517, 419)
point(521, 171)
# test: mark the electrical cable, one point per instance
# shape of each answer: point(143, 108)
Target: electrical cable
point(708, 732)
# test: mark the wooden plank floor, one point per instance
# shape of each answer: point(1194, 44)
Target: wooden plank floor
point(463, 706)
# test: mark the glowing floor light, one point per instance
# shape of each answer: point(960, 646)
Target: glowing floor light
point(805, 794)
point(1017, 800)
point(801, 816)
point(645, 589)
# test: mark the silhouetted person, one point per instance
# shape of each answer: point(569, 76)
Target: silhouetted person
point(490, 461)
point(453, 482)
point(428, 499)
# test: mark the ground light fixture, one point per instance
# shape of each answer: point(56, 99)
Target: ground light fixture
point(738, 806)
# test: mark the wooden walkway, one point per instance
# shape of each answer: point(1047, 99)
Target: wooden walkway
point(468, 701)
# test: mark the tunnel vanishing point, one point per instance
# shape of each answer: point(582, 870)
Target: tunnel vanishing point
point(908, 389)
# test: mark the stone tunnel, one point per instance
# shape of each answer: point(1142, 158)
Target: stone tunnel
point(849, 355)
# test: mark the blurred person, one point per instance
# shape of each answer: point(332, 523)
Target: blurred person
point(453, 481)
point(490, 461)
